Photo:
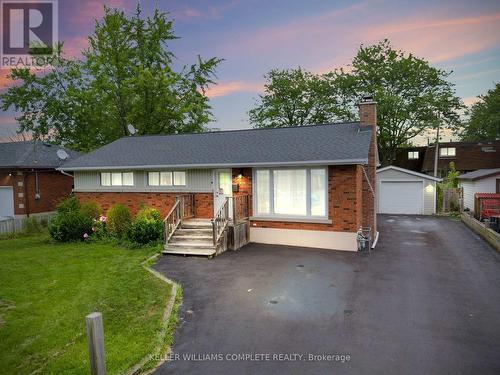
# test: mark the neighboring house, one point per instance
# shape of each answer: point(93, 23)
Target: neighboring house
point(480, 181)
point(307, 186)
point(467, 156)
point(29, 181)
point(402, 191)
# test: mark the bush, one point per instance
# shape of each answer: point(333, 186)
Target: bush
point(32, 225)
point(70, 226)
point(70, 204)
point(147, 227)
point(118, 220)
point(91, 210)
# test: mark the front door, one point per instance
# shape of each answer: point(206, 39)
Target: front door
point(223, 188)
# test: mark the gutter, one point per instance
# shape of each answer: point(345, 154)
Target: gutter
point(65, 173)
point(223, 165)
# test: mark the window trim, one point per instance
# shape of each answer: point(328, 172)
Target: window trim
point(110, 174)
point(275, 216)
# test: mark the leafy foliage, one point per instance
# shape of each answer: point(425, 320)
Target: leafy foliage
point(126, 76)
point(91, 210)
point(147, 227)
point(70, 204)
point(118, 220)
point(484, 118)
point(412, 96)
point(295, 98)
point(70, 226)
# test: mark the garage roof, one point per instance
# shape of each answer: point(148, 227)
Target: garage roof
point(479, 174)
point(407, 171)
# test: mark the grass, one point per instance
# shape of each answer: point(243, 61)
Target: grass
point(46, 289)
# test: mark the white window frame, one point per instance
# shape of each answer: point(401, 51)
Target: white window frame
point(272, 214)
point(110, 177)
point(412, 154)
point(445, 152)
point(172, 178)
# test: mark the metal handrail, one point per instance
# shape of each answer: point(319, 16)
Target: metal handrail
point(220, 222)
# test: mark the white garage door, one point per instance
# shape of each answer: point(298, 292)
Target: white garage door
point(401, 197)
point(6, 201)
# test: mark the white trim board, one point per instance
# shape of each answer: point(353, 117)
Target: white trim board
point(407, 171)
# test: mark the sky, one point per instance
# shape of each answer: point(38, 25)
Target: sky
point(255, 36)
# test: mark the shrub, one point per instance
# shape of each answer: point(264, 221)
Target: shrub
point(70, 226)
point(91, 210)
point(70, 204)
point(32, 225)
point(118, 220)
point(147, 227)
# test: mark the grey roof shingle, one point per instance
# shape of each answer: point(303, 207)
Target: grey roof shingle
point(345, 143)
point(480, 173)
point(30, 155)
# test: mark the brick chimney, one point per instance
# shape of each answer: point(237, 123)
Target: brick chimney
point(368, 118)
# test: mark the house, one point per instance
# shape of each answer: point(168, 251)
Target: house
point(467, 156)
point(403, 191)
point(308, 186)
point(29, 181)
point(480, 181)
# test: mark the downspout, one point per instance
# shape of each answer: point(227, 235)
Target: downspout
point(66, 174)
point(26, 197)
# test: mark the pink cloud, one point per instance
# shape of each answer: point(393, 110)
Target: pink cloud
point(208, 12)
point(227, 88)
point(471, 100)
point(74, 46)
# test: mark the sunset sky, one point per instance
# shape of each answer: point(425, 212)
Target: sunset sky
point(255, 36)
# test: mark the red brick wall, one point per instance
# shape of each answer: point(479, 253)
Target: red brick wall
point(163, 202)
point(53, 187)
point(344, 204)
point(245, 183)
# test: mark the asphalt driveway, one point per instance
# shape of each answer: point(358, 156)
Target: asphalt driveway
point(426, 301)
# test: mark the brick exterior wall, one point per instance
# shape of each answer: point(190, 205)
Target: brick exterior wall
point(344, 203)
point(163, 202)
point(53, 187)
point(368, 117)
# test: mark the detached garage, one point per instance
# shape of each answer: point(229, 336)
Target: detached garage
point(402, 191)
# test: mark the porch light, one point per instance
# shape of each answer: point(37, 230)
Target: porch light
point(429, 188)
point(241, 173)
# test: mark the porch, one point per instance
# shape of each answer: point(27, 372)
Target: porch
point(186, 234)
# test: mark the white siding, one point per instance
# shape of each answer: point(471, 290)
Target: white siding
point(484, 185)
point(429, 187)
point(468, 188)
point(197, 181)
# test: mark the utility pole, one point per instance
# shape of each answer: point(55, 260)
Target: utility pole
point(436, 150)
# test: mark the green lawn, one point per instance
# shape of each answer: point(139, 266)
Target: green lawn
point(46, 290)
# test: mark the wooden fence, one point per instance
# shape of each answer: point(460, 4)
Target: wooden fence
point(19, 224)
point(452, 200)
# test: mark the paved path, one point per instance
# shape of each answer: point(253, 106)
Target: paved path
point(426, 301)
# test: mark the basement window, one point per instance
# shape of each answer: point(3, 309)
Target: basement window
point(291, 192)
point(117, 179)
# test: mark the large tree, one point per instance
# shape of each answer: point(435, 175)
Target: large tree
point(412, 95)
point(483, 123)
point(126, 76)
point(296, 97)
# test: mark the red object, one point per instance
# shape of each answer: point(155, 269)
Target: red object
point(489, 204)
